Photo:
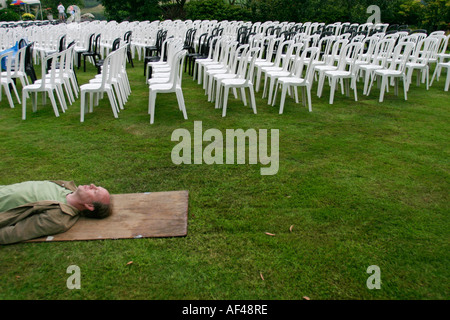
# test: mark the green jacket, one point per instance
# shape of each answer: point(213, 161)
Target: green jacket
point(38, 219)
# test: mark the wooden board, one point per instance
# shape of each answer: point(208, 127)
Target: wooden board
point(135, 215)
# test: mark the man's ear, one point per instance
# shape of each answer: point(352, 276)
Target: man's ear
point(89, 206)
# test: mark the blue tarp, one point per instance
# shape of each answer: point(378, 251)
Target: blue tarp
point(14, 48)
point(19, 44)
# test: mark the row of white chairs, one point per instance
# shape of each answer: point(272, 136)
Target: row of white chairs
point(337, 59)
point(294, 63)
point(144, 32)
point(59, 83)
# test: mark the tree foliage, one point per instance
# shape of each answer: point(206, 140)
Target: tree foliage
point(215, 10)
point(121, 10)
point(427, 14)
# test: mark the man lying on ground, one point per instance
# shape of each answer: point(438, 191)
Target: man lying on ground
point(34, 209)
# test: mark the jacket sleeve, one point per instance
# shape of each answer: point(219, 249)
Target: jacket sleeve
point(48, 222)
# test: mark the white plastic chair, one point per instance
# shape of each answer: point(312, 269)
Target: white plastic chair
point(241, 51)
point(173, 85)
point(98, 88)
point(442, 55)
point(6, 79)
point(271, 75)
point(242, 81)
point(59, 80)
point(437, 71)
point(224, 59)
point(329, 64)
point(420, 61)
point(227, 68)
point(396, 70)
point(161, 68)
point(280, 63)
point(213, 57)
point(47, 84)
point(345, 71)
point(383, 50)
point(298, 80)
point(325, 46)
point(18, 67)
point(270, 53)
point(69, 73)
point(118, 77)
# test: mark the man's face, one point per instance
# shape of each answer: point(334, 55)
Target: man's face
point(91, 193)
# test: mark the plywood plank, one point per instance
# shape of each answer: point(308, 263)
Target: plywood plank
point(135, 215)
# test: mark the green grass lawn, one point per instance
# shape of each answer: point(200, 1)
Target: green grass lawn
point(362, 183)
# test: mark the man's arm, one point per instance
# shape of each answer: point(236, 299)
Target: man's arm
point(48, 222)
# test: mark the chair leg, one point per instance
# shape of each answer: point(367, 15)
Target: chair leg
point(366, 81)
point(405, 89)
point(320, 85)
point(258, 80)
point(34, 101)
point(332, 90)
point(130, 58)
point(210, 88)
point(396, 86)
point(226, 90)
point(218, 89)
point(112, 101)
point(8, 95)
point(434, 74)
point(89, 107)
point(409, 77)
point(15, 92)
point(373, 76)
point(24, 104)
point(265, 87)
point(274, 99)
point(151, 105)
point(384, 83)
point(61, 99)
point(120, 97)
point(283, 98)
point(243, 96)
point(74, 86)
point(69, 92)
point(82, 105)
point(53, 101)
point(180, 100)
point(308, 94)
point(354, 88)
point(269, 99)
point(447, 80)
point(252, 98)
